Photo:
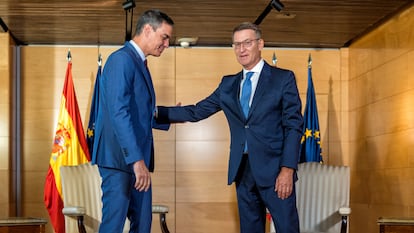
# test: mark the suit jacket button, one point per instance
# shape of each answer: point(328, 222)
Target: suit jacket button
point(125, 152)
point(246, 126)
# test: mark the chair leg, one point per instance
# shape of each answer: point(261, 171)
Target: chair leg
point(163, 223)
point(344, 224)
point(81, 226)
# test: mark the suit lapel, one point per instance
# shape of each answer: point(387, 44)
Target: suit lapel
point(148, 80)
point(147, 77)
point(236, 94)
point(261, 87)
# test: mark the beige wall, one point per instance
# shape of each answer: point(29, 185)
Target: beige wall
point(381, 107)
point(7, 203)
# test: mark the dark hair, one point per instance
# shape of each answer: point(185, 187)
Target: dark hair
point(251, 26)
point(154, 18)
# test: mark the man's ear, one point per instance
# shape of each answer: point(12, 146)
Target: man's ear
point(261, 44)
point(147, 29)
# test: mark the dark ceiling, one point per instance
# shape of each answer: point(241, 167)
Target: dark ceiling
point(301, 23)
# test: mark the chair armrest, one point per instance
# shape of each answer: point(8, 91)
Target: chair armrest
point(74, 211)
point(344, 211)
point(158, 209)
point(78, 212)
point(162, 210)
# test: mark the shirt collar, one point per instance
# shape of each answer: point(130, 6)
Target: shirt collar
point(256, 69)
point(138, 49)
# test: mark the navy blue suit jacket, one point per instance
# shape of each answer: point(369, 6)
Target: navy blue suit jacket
point(123, 129)
point(273, 128)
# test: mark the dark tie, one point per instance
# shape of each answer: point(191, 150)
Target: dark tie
point(146, 64)
point(246, 92)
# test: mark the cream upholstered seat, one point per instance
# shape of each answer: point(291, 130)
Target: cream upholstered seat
point(81, 189)
point(322, 198)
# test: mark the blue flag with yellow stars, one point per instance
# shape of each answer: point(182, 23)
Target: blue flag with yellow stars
point(311, 139)
point(90, 133)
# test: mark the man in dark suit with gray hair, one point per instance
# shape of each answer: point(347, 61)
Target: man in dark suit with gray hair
point(263, 110)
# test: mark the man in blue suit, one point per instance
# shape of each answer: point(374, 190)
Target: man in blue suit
point(265, 139)
point(123, 147)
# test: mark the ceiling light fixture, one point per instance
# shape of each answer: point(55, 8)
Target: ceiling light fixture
point(128, 4)
point(185, 42)
point(272, 4)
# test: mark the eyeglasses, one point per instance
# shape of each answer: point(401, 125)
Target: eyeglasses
point(246, 43)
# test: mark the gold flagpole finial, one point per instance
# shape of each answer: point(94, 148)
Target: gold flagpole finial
point(69, 56)
point(310, 61)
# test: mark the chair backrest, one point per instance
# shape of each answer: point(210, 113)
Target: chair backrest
point(321, 190)
point(81, 186)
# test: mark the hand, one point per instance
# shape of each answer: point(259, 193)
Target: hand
point(284, 183)
point(142, 176)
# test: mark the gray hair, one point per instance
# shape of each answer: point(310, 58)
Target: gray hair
point(154, 18)
point(251, 26)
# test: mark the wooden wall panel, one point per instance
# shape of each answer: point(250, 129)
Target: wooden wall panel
point(202, 147)
point(381, 105)
point(202, 156)
point(207, 217)
point(203, 187)
point(7, 202)
point(4, 197)
point(5, 99)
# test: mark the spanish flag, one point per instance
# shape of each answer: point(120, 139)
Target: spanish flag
point(69, 148)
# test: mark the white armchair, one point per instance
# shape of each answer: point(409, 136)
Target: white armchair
point(81, 189)
point(322, 193)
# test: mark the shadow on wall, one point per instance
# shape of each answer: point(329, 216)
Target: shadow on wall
point(335, 155)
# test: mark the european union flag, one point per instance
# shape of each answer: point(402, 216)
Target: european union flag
point(90, 134)
point(311, 139)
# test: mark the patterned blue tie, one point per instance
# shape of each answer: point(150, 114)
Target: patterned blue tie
point(245, 97)
point(246, 92)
